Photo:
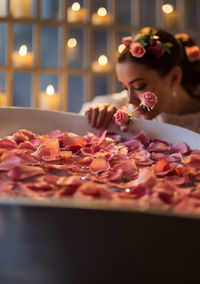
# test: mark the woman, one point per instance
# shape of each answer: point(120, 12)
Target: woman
point(167, 65)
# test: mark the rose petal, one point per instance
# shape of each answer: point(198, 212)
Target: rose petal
point(180, 147)
point(99, 164)
point(158, 146)
point(9, 163)
point(23, 172)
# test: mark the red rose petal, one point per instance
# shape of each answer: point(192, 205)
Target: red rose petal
point(23, 172)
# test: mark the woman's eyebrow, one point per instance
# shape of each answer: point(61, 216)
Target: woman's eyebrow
point(134, 80)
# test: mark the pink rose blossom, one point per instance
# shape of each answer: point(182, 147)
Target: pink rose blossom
point(137, 50)
point(149, 99)
point(193, 53)
point(127, 40)
point(156, 50)
point(122, 116)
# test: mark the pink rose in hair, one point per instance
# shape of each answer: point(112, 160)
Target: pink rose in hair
point(148, 99)
point(127, 40)
point(193, 53)
point(137, 50)
point(122, 116)
point(156, 50)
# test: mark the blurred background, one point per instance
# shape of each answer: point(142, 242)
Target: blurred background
point(58, 54)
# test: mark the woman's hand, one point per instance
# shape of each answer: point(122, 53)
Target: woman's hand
point(99, 116)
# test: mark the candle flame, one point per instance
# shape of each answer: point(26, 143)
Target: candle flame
point(167, 8)
point(121, 48)
point(23, 50)
point(102, 12)
point(50, 90)
point(72, 42)
point(102, 60)
point(76, 6)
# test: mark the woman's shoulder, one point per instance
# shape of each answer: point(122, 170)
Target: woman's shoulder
point(190, 121)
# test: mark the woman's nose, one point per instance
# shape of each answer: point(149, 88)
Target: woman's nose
point(132, 97)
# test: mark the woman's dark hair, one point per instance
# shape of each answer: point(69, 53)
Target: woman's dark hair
point(177, 57)
point(191, 70)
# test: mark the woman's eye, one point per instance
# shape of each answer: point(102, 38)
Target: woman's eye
point(141, 87)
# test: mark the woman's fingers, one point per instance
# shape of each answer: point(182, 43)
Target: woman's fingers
point(100, 115)
point(109, 115)
point(95, 112)
point(92, 114)
point(88, 114)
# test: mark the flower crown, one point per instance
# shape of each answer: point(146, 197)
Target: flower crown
point(140, 44)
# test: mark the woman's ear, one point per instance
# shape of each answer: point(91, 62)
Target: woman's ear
point(175, 76)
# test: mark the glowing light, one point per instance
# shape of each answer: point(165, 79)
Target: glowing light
point(23, 50)
point(167, 8)
point(76, 6)
point(102, 12)
point(50, 90)
point(121, 48)
point(102, 60)
point(127, 189)
point(72, 42)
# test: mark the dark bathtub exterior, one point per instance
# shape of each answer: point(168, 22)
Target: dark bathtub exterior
point(59, 245)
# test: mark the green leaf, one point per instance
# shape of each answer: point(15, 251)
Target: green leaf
point(168, 44)
point(142, 42)
point(167, 49)
point(151, 34)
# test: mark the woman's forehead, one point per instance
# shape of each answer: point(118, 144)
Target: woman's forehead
point(127, 70)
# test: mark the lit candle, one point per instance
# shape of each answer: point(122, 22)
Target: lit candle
point(72, 49)
point(170, 16)
point(121, 47)
point(49, 99)
point(102, 17)
point(20, 8)
point(2, 98)
point(102, 65)
point(22, 57)
point(76, 14)
point(3, 8)
point(72, 42)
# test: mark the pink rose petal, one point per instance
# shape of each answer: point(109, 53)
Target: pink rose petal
point(23, 172)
